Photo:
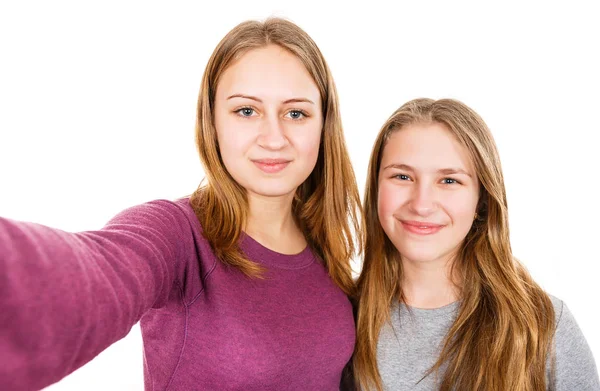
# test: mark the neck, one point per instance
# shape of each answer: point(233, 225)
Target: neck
point(428, 284)
point(271, 223)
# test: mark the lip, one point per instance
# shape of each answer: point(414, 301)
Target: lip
point(421, 227)
point(271, 166)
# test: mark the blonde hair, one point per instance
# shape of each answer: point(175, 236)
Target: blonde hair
point(503, 332)
point(326, 206)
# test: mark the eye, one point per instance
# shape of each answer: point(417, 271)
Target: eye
point(296, 114)
point(402, 177)
point(450, 181)
point(245, 111)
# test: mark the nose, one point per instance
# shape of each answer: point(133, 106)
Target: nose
point(423, 201)
point(272, 135)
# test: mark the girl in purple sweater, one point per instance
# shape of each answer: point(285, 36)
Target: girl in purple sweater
point(242, 286)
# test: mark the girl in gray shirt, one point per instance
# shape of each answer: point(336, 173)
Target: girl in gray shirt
point(443, 304)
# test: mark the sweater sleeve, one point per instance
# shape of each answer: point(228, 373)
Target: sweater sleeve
point(575, 367)
point(65, 297)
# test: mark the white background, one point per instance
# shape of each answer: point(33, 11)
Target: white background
point(97, 107)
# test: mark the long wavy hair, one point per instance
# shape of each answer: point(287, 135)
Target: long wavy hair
point(502, 335)
point(326, 206)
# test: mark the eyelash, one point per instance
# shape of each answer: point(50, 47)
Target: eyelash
point(398, 176)
point(302, 112)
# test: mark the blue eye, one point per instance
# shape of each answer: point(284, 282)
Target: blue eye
point(449, 181)
point(296, 114)
point(402, 177)
point(245, 111)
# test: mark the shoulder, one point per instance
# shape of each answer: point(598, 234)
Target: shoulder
point(169, 226)
point(160, 213)
point(566, 328)
point(179, 225)
point(565, 322)
point(575, 364)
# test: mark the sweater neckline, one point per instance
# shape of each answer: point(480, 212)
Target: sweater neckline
point(265, 256)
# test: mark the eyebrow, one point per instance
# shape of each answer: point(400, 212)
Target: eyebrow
point(445, 171)
point(292, 100)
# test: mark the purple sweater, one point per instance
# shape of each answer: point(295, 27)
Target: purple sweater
point(65, 297)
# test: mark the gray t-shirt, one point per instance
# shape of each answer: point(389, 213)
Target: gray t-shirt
point(410, 345)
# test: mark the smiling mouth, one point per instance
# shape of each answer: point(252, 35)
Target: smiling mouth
point(421, 228)
point(271, 166)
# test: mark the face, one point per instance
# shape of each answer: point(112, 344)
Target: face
point(428, 192)
point(268, 118)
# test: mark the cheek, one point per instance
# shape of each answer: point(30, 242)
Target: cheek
point(389, 200)
point(308, 144)
point(462, 209)
point(234, 140)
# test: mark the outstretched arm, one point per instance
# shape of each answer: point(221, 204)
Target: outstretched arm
point(65, 297)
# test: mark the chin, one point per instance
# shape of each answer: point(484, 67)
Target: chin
point(272, 191)
point(417, 258)
point(419, 254)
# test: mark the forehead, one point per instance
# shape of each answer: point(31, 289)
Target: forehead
point(268, 73)
point(426, 147)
